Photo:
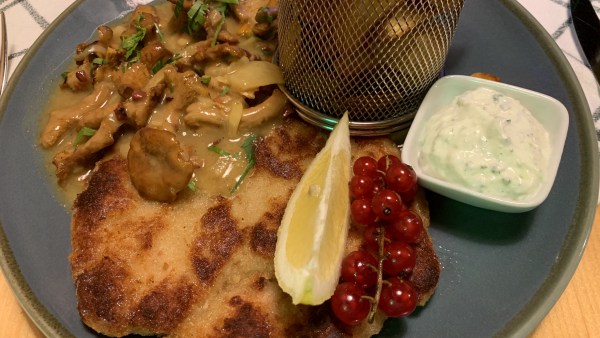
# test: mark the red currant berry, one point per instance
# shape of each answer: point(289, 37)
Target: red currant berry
point(361, 211)
point(378, 183)
point(400, 178)
point(387, 161)
point(348, 303)
point(360, 268)
point(387, 205)
point(399, 259)
point(409, 196)
point(398, 298)
point(407, 227)
point(361, 187)
point(365, 165)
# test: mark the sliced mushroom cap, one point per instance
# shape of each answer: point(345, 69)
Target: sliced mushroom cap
point(246, 10)
point(205, 110)
point(62, 119)
point(158, 167)
point(153, 52)
point(105, 35)
point(145, 17)
point(132, 79)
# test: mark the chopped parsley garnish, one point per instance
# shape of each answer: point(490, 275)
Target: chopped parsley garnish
point(196, 16)
point(264, 15)
point(131, 42)
point(218, 150)
point(205, 80)
point(192, 185)
point(99, 61)
point(225, 90)
point(221, 9)
point(161, 63)
point(235, 2)
point(161, 36)
point(248, 147)
point(178, 7)
point(64, 75)
point(158, 66)
point(83, 133)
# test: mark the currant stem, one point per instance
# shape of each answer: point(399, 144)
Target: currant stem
point(380, 258)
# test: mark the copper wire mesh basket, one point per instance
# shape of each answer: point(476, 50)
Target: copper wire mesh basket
point(374, 59)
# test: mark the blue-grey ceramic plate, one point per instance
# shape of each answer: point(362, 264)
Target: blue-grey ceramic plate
point(501, 272)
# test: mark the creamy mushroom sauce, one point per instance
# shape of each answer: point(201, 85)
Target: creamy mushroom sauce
point(213, 100)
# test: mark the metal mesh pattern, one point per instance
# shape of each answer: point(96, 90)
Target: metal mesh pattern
point(374, 59)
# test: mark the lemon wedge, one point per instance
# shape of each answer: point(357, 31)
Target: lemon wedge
point(312, 236)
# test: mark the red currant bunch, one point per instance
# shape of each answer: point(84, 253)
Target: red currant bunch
point(377, 276)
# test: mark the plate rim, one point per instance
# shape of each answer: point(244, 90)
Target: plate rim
point(43, 319)
point(542, 301)
point(573, 247)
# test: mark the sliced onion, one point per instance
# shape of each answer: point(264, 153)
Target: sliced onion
point(246, 76)
point(235, 116)
point(254, 74)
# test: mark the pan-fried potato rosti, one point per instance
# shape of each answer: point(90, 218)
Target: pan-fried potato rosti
point(202, 266)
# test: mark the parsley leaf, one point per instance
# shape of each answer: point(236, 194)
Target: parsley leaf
point(264, 15)
point(161, 63)
point(196, 16)
point(178, 7)
point(161, 36)
point(158, 66)
point(138, 21)
point(248, 147)
point(218, 150)
point(192, 185)
point(221, 9)
point(205, 80)
point(81, 134)
point(131, 42)
point(99, 61)
point(219, 27)
point(225, 90)
point(235, 2)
